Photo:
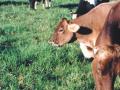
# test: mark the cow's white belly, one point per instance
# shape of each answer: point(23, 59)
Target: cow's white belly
point(86, 52)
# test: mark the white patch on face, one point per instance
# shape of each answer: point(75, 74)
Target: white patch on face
point(87, 53)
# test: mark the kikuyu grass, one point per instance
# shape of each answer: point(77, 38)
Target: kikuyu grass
point(28, 62)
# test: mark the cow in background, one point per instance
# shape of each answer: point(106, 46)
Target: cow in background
point(106, 63)
point(86, 5)
point(46, 3)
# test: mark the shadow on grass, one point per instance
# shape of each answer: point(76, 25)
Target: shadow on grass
point(13, 3)
point(69, 5)
point(82, 7)
point(82, 59)
point(49, 76)
point(27, 61)
point(6, 45)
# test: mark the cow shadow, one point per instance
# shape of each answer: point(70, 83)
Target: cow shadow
point(82, 59)
point(69, 5)
point(13, 3)
point(7, 45)
point(81, 8)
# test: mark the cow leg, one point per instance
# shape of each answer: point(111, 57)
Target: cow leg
point(33, 4)
point(103, 73)
point(49, 3)
point(43, 1)
point(96, 75)
point(46, 3)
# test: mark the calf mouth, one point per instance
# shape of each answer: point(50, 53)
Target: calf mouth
point(74, 38)
point(54, 44)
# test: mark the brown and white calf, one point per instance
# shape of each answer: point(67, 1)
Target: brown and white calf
point(93, 22)
point(106, 63)
point(46, 3)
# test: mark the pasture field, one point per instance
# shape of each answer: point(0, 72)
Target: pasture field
point(28, 62)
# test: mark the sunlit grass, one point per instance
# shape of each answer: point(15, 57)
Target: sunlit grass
point(28, 62)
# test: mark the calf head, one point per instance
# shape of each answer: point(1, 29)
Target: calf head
point(64, 33)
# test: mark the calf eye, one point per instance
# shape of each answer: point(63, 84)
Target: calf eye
point(61, 30)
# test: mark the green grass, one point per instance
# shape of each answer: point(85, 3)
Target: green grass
point(28, 62)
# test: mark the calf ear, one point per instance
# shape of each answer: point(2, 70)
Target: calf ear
point(73, 27)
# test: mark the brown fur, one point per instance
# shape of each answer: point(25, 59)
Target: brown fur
point(106, 64)
point(93, 21)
